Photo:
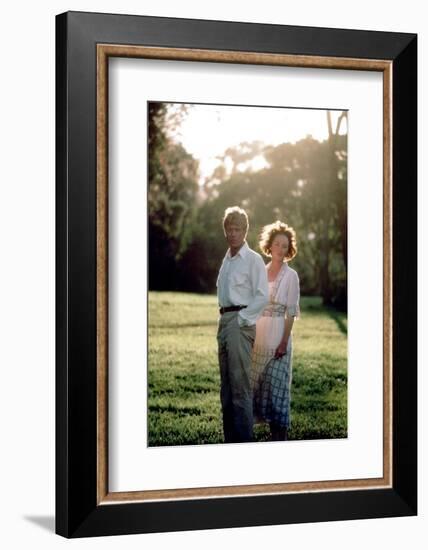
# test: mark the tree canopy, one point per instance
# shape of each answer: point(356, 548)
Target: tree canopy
point(303, 184)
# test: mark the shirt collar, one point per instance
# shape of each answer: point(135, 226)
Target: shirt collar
point(284, 266)
point(243, 251)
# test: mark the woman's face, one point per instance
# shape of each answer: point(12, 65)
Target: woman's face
point(279, 248)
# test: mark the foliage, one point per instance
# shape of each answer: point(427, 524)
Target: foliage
point(172, 193)
point(303, 184)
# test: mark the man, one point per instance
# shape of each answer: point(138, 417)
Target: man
point(243, 293)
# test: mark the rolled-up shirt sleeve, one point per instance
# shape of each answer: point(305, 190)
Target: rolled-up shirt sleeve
point(293, 297)
point(260, 288)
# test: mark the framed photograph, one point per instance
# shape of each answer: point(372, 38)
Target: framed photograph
point(236, 274)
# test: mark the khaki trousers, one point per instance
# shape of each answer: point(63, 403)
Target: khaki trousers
point(235, 345)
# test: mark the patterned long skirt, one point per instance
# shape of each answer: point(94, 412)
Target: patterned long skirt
point(271, 382)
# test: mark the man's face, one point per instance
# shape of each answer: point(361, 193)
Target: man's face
point(235, 236)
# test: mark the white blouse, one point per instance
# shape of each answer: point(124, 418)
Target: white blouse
point(285, 290)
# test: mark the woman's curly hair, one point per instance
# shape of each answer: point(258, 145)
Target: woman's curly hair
point(269, 232)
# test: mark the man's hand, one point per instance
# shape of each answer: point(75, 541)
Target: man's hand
point(241, 321)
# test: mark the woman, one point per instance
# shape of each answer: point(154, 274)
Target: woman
point(273, 347)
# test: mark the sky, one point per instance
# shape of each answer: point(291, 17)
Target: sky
point(208, 130)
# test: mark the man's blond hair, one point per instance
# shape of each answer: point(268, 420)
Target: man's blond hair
point(234, 215)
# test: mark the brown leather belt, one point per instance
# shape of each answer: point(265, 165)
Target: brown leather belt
point(231, 308)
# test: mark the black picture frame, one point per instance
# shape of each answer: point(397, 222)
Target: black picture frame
point(78, 510)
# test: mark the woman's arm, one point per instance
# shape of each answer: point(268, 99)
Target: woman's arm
point(282, 348)
point(292, 313)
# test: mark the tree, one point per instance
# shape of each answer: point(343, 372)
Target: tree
point(172, 192)
point(297, 187)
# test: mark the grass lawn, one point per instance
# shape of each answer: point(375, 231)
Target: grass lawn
point(184, 381)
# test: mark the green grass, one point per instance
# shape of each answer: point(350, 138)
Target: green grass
point(184, 381)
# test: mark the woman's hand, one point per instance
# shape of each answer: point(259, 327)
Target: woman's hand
point(281, 350)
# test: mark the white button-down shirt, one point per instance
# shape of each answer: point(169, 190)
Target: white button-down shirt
point(242, 281)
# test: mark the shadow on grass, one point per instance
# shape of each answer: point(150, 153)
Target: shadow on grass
point(335, 315)
point(314, 305)
point(180, 411)
point(164, 326)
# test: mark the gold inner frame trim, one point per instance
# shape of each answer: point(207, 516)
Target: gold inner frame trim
point(104, 51)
